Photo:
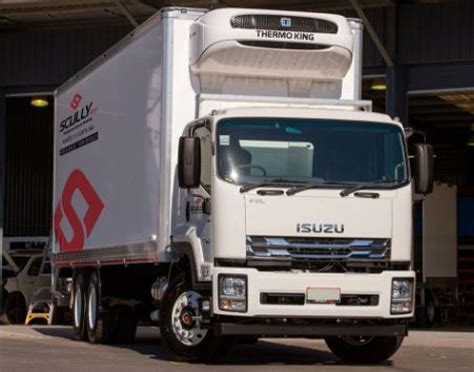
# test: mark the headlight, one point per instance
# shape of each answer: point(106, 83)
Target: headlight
point(233, 293)
point(402, 296)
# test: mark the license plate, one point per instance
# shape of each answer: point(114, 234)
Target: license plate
point(323, 295)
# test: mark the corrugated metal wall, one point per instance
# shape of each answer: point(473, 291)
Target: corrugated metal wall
point(436, 32)
point(43, 57)
point(28, 168)
point(378, 20)
point(49, 57)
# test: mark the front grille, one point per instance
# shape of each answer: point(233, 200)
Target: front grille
point(359, 300)
point(318, 249)
point(269, 298)
point(282, 298)
point(282, 23)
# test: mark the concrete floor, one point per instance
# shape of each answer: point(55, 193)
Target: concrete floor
point(43, 348)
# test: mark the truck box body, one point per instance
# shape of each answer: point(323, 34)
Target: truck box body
point(113, 154)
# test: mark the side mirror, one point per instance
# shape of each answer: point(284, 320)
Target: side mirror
point(189, 162)
point(424, 168)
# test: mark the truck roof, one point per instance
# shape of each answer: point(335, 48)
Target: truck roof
point(335, 113)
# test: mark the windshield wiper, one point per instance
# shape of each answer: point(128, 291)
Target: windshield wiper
point(275, 182)
point(319, 185)
point(352, 189)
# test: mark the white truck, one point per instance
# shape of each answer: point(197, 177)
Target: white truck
point(217, 172)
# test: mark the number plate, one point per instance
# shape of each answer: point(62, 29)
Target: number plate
point(323, 295)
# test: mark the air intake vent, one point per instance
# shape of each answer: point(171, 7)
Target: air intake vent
point(274, 22)
point(280, 45)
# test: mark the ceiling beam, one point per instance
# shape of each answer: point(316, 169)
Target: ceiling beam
point(126, 13)
point(373, 34)
point(14, 9)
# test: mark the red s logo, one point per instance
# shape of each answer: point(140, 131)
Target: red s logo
point(76, 101)
point(77, 181)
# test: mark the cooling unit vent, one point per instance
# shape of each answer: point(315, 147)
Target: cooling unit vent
point(277, 22)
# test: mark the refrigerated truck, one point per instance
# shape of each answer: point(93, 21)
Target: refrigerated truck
point(217, 172)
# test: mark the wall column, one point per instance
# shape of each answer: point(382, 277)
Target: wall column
point(2, 164)
point(396, 98)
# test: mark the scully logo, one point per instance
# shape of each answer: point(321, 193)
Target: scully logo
point(81, 228)
point(76, 101)
point(81, 115)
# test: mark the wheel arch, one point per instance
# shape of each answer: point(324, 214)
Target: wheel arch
point(185, 262)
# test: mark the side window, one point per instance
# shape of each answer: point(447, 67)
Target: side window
point(35, 267)
point(206, 156)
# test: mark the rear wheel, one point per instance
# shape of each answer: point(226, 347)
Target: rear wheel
point(181, 328)
point(429, 312)
point(100, 325)
point(364, 349)
point(78, 306)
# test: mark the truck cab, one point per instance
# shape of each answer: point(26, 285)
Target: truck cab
point(302, 220)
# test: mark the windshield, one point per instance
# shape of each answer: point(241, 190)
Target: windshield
point(310, 151)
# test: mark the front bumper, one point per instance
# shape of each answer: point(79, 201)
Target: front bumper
point(308, 330)
point(259, 282)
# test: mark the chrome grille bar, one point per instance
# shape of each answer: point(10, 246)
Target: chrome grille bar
point(318, 248)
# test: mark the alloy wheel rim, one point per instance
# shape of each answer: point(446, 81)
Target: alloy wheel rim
point(92, 308)
point(78, 308)
point(185, 322)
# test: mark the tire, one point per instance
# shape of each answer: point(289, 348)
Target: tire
point(126, 327)
point(79, 306)
point(430, 312)
point(427, 315)
point(15, 309)
point(100, 326)
point(364, 350)
point(184, 337)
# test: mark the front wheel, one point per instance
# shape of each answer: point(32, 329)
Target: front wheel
point(364, 349)
point(180, 325)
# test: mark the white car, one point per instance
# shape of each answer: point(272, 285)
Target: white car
point(23, 275)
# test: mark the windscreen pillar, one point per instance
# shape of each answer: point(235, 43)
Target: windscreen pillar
point(2, 164)
point(396, 98)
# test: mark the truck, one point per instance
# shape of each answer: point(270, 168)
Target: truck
point(436, 256)
point(216, 172)
point(20, 277)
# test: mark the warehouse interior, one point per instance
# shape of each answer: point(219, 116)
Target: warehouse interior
point(418, 66)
